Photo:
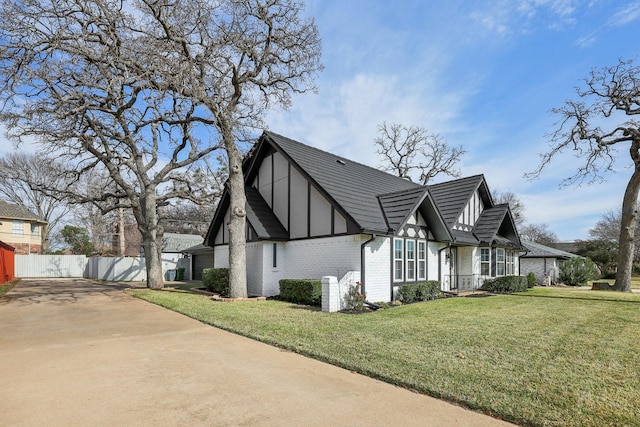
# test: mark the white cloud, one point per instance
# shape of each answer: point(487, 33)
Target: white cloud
point(625, 15)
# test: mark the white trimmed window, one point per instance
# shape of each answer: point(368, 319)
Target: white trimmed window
point(422, 260)
point(411, 260)
point(500, 262)
point(398, 260)
point(511, 265)
point(17, 228)
point(35, 230)
point(485, 261)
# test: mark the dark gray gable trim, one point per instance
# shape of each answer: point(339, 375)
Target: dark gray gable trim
point(399, 206)
point(352, 225)
point(451, 197)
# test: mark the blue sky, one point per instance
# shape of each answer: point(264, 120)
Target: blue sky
point(482, 74)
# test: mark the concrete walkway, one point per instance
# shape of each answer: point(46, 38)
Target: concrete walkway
point(77, 352)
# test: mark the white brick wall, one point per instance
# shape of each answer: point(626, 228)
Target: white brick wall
point(377, 269)
point(271, 275)
point(329, 256)
point(221, 256)
point(432, 260)
point(254, 269)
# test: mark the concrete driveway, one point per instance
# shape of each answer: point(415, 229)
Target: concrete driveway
point(78, 352)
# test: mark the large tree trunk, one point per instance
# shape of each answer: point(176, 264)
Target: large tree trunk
point(237, 222)
point(153, 262)
point(628, 232)
point(151, 238)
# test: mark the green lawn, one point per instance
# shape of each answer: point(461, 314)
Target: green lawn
point(545, 357)
point(7, 286)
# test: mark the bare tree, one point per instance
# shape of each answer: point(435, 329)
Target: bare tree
point(608, 226)
point(593, 128)
point(538, 233)
point(149, 90)
point(514, 202)
point(407, 149)
point(22, 181)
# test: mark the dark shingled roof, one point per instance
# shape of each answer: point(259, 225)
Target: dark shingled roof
point(11, 211)
point(397, 206)
point(371, 200)
point(332, 172)
point(261, 217)
point(488, 224)
point(452, 196)
point(536, 250)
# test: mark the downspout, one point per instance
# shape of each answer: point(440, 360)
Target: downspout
point(362, 262)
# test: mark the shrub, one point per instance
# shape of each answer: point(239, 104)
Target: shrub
point(505, 284)
point(301, 291)
point(578, 271)
point(216, 280)
point(531, 280)
point(353, 299)
point(424, 291)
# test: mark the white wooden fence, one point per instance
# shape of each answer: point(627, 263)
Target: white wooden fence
point(102, 268)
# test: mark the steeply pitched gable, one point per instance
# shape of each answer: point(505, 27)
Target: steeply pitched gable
point(451, 197)
point(352, 186)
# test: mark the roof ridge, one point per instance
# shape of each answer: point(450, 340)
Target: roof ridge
point(337, 156)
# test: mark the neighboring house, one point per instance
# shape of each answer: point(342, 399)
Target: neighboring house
point(173, 245)
point(543, 261)
point(311, 213)
point(20, 228)
point(201, 257)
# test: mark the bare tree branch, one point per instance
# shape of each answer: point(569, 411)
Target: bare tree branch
point(407, 149)
point(592, 129)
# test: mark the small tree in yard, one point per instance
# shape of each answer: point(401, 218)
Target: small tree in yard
point(594, 129)
point(578, 271)
point(78, 240)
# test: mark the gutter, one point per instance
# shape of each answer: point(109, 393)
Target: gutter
point(362, 262)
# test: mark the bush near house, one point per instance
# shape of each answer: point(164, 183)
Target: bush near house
point(301, 291)
point(216, 280)
point(416, 292)
point(531, 280)
point(505, 284)
point(578, 271)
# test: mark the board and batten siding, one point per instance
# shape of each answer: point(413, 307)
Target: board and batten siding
point(299, 206)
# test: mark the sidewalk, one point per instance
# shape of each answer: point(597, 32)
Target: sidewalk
point(77, 352)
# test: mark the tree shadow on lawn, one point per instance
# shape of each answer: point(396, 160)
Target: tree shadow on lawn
point(580, 298)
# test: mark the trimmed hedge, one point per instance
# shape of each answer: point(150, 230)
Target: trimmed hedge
point(216, 280)
point(531, 280)
point(424, 291)
point(301, 291)
point(505, 284)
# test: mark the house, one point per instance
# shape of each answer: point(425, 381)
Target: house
point(21, 229)
point(311, 213)
point(201, 257)
point(543, 261)
point(173, 245)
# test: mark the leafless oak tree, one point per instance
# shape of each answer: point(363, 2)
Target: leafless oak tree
point(23, 180)
point(514, 202)
point(148, 89)
point(538, 233)
point(407, 149)
point(594, 127)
